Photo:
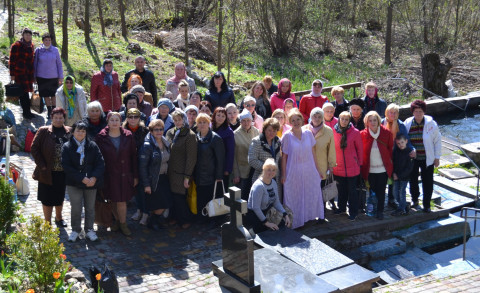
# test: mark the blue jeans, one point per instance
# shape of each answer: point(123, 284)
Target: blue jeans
point(399, 192)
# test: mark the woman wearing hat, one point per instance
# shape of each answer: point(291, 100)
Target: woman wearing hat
point(117, 145)
point(71, 97)
point(312, 100)
point(249, 103)
point(242, 171)
point(130, 101)
point(165, 107)
point(21, 68)
point(183, 157)
point(356, 110)
point(192, 112)
point(105, 88)
point(144, 106)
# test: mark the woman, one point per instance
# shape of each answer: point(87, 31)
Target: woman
point(242, 172)
point(300, 177)
point(328, 115)
point(284, 92)
point(153, 167)
point(121, 171)
point(144, 106)
point(180, 74)
point(134, 80)
point(264, 146)
point(205, 107)
point(47, 153)
point(21, 68)
point(83, 164)
point(340, 103)
point(71, 97)
point(165, 107)
point(95, 120)
point(269, 85)
point(349, 153)
point(182, 100)
point(427, 141)
point(280, 115)
point(262, 106)
point(183, 157)
point(195, 99)
point(312, 100)
point(139, 131)
point(130, 101)
point(210, 160)
point(395, 125)
point(288, 105)
point(356, 110)
point(105, 88)
point(249, 103)
point(192, 112)
point(325, 157)
point(372, 101)
point(377, 157)
point(220, 126)
point(48, 71)
point(219, 94)
point(232, 116)
point(264, 196)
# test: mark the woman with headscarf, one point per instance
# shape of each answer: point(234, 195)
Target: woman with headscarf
point(105, 88)
point(219, 94)
point(165, 107)
point(312, 100)
point(21, 68)
point(180, 74)
point(183, 157)
point(71, 97)
point(284, 92)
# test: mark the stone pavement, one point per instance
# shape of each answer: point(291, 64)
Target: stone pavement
point(468, 282)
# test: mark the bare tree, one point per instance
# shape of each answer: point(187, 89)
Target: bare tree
point(87, 21)
point(65, 31)
point(51, 27)
point(220, 34)
point(121, 7)
point(100, 16)
point(11, 18)
point(185, 23)
point(388, 35)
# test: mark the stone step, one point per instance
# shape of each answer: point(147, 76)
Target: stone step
point(455, 187)
point(455, 173)
point(432, 233)
point(384, 249)
point(395, 274)
point(452, 159)
point(473, 151)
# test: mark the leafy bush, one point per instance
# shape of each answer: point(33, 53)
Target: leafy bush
point(8, 208)
point(37, 254)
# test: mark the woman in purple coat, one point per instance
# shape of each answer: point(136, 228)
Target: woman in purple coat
point(121, 171)
point(220, 127)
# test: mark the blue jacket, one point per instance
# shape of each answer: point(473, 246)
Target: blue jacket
point(401, 129)
point(380, 106)
point(220, 99)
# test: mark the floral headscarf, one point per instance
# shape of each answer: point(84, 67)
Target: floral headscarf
point(70, 94)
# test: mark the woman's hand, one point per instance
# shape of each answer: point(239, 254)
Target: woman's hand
point(148, 190)
point(185, 183)
point(226, 173)
point(288, 223)
point(236, 180)
point(86, 181)
point(60, 81)
point(135, 182)
point(413, 154)
point(271, 226)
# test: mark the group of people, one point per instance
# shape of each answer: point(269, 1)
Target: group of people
point(278, 150)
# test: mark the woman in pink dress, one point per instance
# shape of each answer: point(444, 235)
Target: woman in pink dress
point(301, 179)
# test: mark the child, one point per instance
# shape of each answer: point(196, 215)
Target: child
point(402, 167)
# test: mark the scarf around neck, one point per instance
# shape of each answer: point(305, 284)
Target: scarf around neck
point(71, 95)
point(81, 149)
point(314, 129)
point(108, 79)
point(343, 132)
point(25, 43)
point(373, 134)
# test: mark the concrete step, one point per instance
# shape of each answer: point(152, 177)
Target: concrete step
point(455, 173)
point(452, 159)
point(455, 187)
point(384, 249)
point(395, 274)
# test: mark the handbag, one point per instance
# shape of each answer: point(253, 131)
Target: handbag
point(192, 197)
point(36, 102)
point(274, 216)
point(13, 90)
point(29, 140)
point(23, 187)
point(216, 207)
point(330, 190)
point(108, 282)
point(103, 210)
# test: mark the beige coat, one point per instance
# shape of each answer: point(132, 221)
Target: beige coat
point(325, 156)
point(243, 139)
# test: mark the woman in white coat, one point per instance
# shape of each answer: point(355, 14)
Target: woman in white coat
point(71, 97)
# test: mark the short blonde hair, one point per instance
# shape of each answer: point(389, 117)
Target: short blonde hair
point(267, 78)
point(372, 114)
point(270, 162)
point(294, 112)
point(345, 113)
point(370, 85)
point(337, 89)
point(231, 105)
point(182, 83)
point(279, 111)
point(203, 117)
point(393, 107)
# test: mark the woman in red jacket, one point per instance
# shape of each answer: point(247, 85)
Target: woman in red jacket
point(348, 150)
point(377, 157)
point(105, 88)
point(121, 171)
point(312, 100)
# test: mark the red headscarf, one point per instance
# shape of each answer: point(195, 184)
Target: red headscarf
point(279, 92)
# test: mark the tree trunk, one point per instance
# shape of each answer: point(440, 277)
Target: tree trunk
point(435, 74)
point(185, 23)
point(51, 27)
point(87, 21)
point(11, 22)
point(425, 23)
point(220, 33)
point(121, 7)
point(388, 36)
point(100, 16)
point(65, 31)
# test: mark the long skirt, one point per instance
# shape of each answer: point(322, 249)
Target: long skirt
point(161, 198)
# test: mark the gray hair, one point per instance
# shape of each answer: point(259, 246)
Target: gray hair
point(94, 105)
point(315, 111)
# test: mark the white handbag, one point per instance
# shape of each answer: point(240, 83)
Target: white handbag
point(216, 207)
point(329, 191)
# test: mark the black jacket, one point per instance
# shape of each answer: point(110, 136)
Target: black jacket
point(220, 99)
point(139, 135)
point(273, 89)
point(340, 108)
point(150, 161)
point(93, 164)
point(92, 129)
point(148, 82)
point(210, 159)
point(402, 163)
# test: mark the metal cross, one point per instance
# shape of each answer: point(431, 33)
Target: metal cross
point(237, 205)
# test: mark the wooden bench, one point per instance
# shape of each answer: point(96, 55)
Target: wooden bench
point(328, 89)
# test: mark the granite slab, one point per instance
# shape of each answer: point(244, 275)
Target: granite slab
point(312, 254)
point(453, 158)
point(352, 278)
point(455, 173)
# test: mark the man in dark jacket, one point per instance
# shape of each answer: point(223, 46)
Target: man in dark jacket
point(148, 79)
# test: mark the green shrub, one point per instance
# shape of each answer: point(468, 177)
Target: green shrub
point(8, 208)
point(37, 253)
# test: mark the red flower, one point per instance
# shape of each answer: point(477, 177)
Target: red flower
point(30, 291)
point(63, 256)
point(56, 275)
point(98, 277)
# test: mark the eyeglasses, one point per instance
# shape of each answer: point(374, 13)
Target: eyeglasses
point(250, 105)
point(158, 129)
point(133, 117)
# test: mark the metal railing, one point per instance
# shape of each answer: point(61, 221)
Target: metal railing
point(466, 217)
